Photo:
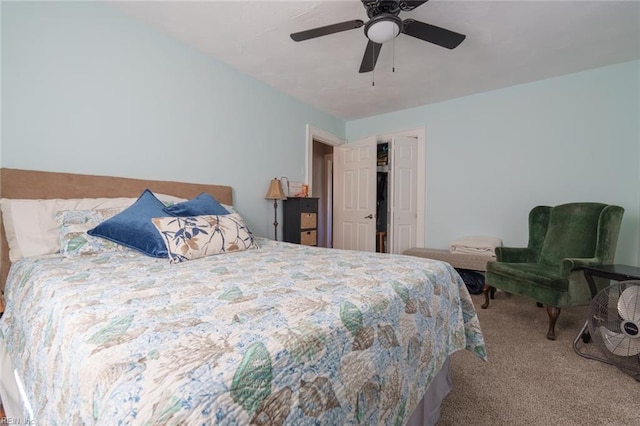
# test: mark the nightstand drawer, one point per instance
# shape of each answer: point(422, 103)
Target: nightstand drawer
point(308, 220)
point(309, 205)
point(308, 238)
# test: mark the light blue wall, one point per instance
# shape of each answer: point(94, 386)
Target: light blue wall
point(491, 157)
point(87, 89)
point(0, 84)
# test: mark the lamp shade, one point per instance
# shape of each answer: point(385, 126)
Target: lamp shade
point(383, 28)
point(275, 191)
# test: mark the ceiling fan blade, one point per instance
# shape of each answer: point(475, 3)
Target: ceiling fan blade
point(326, 30)
point(432, 34)
point(370, 57)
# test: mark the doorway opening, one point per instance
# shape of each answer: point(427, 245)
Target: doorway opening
point(320, 179)
point(323, 190)
point(382, 196)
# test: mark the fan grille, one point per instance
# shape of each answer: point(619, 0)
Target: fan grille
point(614, 319)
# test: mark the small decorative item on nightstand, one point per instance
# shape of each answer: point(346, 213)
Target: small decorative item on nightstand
point(300, 221)
point(284, 182)
point(296, 189)
point(275, 193)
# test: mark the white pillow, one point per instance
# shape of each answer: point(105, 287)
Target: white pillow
point(30, 225)
point(230, 209)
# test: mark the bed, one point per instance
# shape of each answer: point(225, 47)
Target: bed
point(274, 334)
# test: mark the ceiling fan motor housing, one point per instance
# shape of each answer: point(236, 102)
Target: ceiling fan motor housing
point(377, 7)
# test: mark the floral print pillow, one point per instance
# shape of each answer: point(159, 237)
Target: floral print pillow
point(72, 229)
point(194, 237)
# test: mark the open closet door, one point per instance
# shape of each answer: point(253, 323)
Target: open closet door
point(354, 195)
point(404, 205)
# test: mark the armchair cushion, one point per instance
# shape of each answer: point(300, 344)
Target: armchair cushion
point(572, 232)
point(532, 274)
point(516, 255)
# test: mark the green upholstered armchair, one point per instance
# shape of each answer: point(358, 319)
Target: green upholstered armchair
point(562, 239)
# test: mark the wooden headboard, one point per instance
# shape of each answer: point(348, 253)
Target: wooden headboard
point(29, 184)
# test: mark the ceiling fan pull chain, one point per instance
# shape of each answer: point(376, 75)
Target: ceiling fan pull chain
point(373, 68)
point(393, 48)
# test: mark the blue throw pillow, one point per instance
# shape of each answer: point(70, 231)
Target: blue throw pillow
point(133, 228)
point(203, 204)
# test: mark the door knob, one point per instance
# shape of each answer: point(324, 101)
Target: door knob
point(369, 217)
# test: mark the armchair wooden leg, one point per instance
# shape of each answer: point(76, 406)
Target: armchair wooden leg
point(554, 313)
point(487, 290)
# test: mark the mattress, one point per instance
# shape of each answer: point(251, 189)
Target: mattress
point(284, 334)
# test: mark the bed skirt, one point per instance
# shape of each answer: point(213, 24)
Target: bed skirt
point(17, 408)
point(13, 399)
point(427, 413)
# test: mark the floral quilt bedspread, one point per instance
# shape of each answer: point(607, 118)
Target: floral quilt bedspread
point(284, 334)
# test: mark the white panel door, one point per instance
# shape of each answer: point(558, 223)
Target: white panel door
point(403, 209)
point(354, 196)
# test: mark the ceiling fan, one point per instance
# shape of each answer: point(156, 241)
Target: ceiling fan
point(384, 25)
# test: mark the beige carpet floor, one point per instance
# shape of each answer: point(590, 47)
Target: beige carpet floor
point(530, 380)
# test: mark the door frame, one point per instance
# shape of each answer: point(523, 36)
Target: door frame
point(328, 213)
point(327, 138)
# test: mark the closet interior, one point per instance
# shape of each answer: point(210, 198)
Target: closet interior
point(382, 196)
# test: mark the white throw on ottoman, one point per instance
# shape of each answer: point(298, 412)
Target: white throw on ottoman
point(471, 253)
point(474, 262)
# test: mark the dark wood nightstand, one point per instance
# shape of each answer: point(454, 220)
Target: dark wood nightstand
point(300, 221)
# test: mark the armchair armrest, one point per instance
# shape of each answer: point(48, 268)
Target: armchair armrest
point(571, 263)
point(516, 255)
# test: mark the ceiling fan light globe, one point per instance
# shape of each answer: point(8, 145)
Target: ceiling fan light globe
point(383, 29)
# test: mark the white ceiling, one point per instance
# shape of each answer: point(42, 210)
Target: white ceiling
point(508, 43)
